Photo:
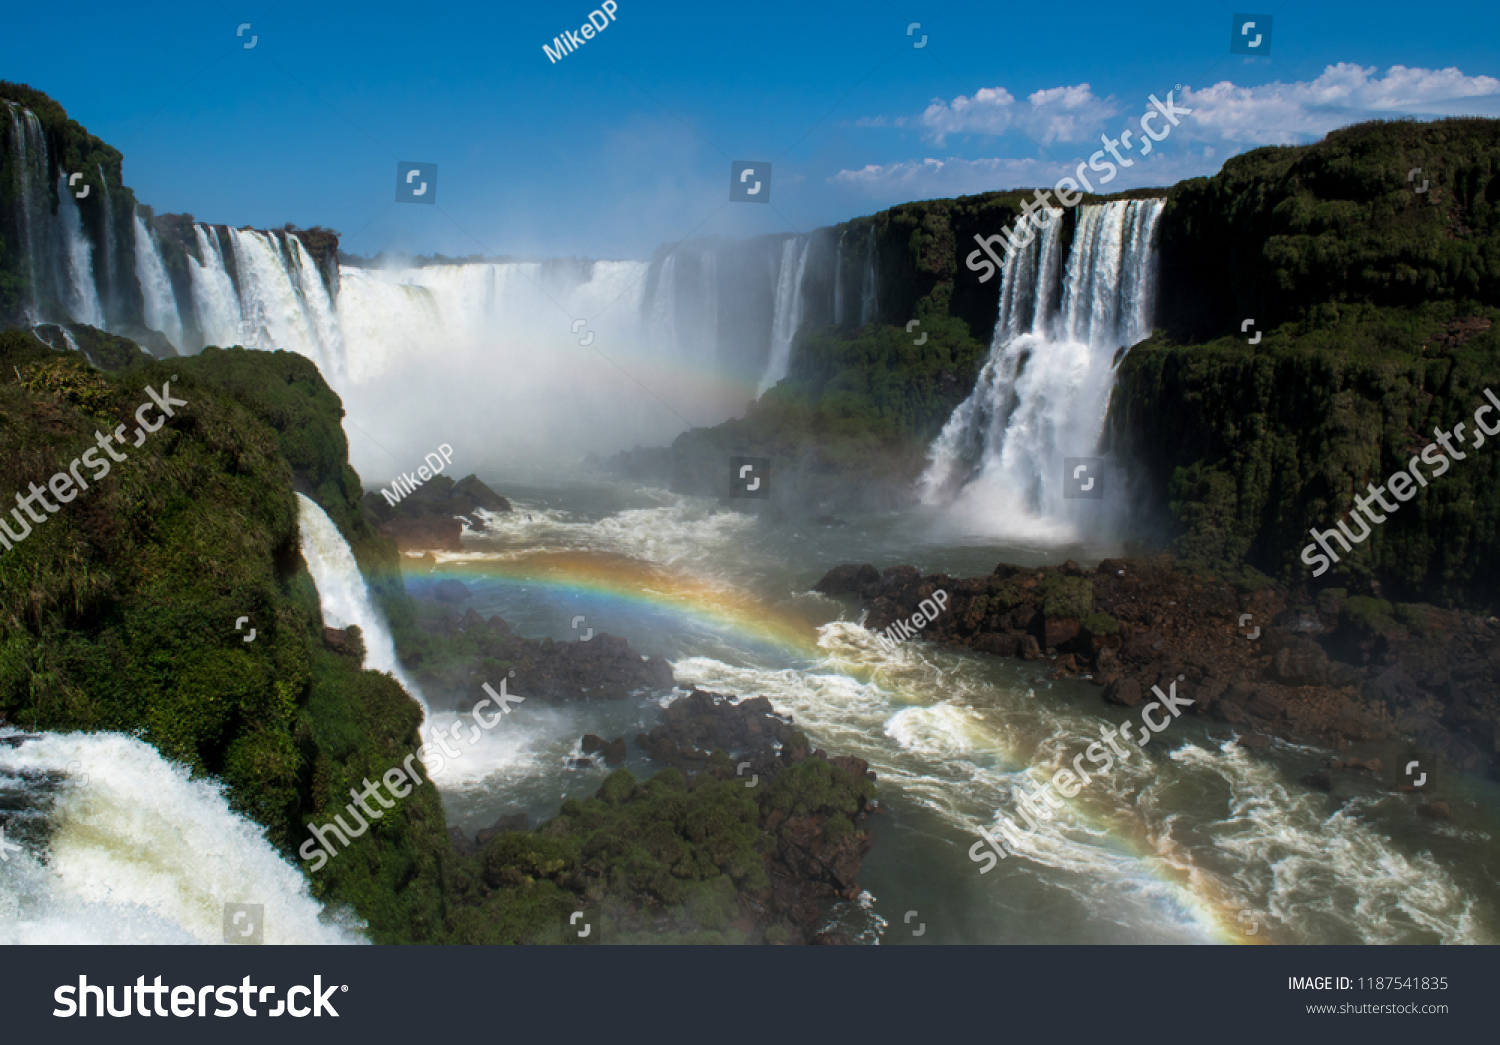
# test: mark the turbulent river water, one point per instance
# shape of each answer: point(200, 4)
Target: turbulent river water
point(1193, 839)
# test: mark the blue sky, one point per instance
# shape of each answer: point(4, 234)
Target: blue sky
point(626, 143)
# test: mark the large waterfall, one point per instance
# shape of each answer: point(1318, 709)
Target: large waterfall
point(554, 359)
point(1042, 395)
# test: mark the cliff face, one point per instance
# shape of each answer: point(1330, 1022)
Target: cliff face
point(1294, 233)
point(1376, 305)
point(105, 211)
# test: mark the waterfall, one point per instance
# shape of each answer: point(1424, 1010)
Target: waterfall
point(215, 302)
point(111, 284)
point(156, 286)
point(838, 280)
point(786, 315)
point(121, 846)
point(869, 304)
point(28, 146)
point(82, 297)
point(342, 592)
point(1043, 393)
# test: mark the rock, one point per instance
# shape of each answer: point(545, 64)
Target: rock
point(580, 763)
point(461, 843)
point(1000, 643)
point(441, 532)
point(451, 590)
point(615, 752)
point(347, 642)
point(470, 492)
point(833, 937)
point(1059, 630)
point(1327, 667)
point(1253, 741)
point(849, 579)
point(1435, 810)
point(1106, 661)
point(1125, 692)
point(1321, 780)
point(517, 821)
point(1300, 669)
point(1264, 703)
point(591, 743)
point(1067, 665)
point(427, 517)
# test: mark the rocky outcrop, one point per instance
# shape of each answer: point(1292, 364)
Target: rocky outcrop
point(452, 673)
point(811, 804)
point(1328, 668)
point(432, 517)
point(614, 751)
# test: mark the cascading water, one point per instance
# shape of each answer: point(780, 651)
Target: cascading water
point(120, 846)
point(82, 288)
point(216, 303)
point(838, 279)
point(110, 295)
point(869, 301)
point(342, 592)
point(683, 340)
point(786, 316)
point(28, 146)
point(1043, 393)
point(156, 286)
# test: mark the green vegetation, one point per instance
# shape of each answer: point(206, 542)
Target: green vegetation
point(1066, 596)
point(1254, 446)
point(1287, 233)
point(1098, 625)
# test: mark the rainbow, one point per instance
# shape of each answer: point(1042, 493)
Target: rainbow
point(611, 581)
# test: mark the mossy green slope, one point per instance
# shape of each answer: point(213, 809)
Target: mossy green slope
point(119, 611)
point(1376, 305)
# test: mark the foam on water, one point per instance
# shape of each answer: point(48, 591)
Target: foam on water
point(141, 852)
point(1327, 875)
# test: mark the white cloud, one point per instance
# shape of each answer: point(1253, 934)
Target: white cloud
point(1226, 119)
point(1290, 113)
point(1065, 114)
